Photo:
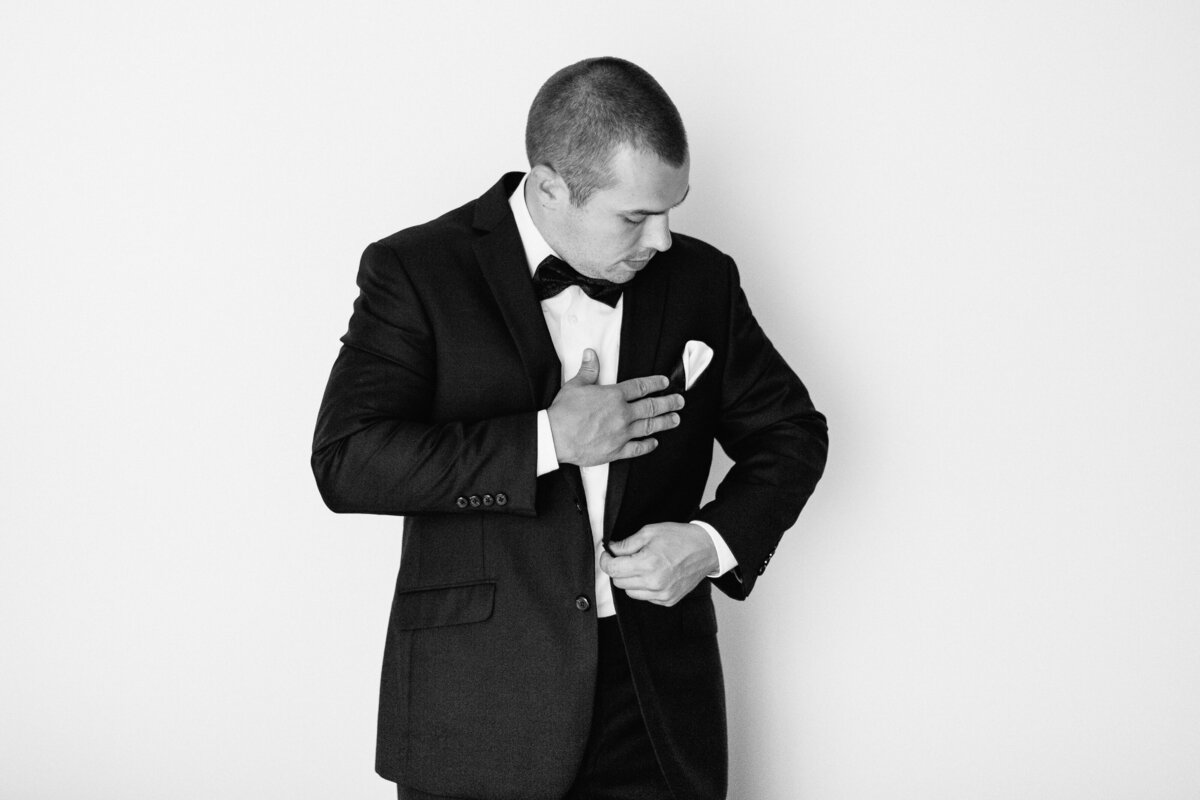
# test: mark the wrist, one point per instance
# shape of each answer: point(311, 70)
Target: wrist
point(725, 560)
point(559, 441)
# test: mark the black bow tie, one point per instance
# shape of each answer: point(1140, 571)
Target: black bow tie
point(554, 275)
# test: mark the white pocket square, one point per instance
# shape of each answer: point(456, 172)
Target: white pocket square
point(696, 358)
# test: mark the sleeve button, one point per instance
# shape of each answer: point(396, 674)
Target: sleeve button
point(475, 501)
point(488, 500)
point(461, 502)
point(501, 499)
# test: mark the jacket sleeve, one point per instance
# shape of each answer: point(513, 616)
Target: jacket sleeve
point(777, 441)
point(378, 448)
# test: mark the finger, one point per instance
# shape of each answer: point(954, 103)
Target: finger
point(616, 565)
point(651, 596)
point(634, 583)
point(619, 569)
point(631, 544)
point(638, 571)
point(652, 425)
point(634, 448)
point(655, 406)
point(635, 388)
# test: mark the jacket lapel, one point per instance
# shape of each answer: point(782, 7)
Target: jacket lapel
point(641, 329)
point(502, 261)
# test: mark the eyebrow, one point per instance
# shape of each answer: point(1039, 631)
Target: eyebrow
point(646, 213)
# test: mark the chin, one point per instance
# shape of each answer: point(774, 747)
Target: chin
point(626, 270)
point(621, 273)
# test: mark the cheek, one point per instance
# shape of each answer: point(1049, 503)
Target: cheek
point(607, 243)
point(624, 238)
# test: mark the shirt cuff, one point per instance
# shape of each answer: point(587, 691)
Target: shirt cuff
point(547, 458)
point(725, 559)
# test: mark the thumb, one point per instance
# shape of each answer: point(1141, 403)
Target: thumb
point(630, 545)
point(589, 369)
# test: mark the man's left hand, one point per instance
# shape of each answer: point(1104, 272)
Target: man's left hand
point(662, 562)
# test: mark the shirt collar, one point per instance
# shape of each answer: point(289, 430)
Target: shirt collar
point(536, 248)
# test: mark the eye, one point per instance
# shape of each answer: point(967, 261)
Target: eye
point(635, 220)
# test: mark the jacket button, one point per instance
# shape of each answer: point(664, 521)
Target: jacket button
point(461, 502)
point(488, 500)
point(475, 501)
point(501, 498)
point(582, 603)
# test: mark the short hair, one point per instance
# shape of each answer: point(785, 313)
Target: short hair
point(586, 111)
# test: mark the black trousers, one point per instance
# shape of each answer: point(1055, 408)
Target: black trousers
point(618, 761)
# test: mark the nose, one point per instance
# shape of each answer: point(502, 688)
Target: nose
point(656, 235)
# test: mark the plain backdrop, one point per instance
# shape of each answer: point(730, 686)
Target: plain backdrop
point(972, 228)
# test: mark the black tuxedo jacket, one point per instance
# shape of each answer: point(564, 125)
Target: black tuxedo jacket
point(430, 413)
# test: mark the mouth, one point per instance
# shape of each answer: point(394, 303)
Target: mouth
point(638, 263)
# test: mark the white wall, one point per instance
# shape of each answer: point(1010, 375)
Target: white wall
point(972, 228)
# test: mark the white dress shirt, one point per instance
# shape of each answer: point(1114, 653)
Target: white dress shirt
point(577, 322)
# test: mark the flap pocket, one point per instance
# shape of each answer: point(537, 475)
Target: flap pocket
point(437, 606)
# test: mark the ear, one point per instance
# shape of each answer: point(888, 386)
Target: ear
point(549, 189)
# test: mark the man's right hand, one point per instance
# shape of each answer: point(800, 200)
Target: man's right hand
point(595, 424)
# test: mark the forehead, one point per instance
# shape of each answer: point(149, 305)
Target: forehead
point(644, 182)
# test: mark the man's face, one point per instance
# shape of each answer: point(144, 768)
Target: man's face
point(619, 229)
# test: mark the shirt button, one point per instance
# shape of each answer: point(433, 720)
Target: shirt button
point(475, 501)
point(501, 498)
point(461, 502)
point(571, 318)
point(582, 603)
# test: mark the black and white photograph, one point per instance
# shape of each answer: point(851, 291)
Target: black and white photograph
point(637, 401)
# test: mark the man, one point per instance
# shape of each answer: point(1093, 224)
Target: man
point(552, 633)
